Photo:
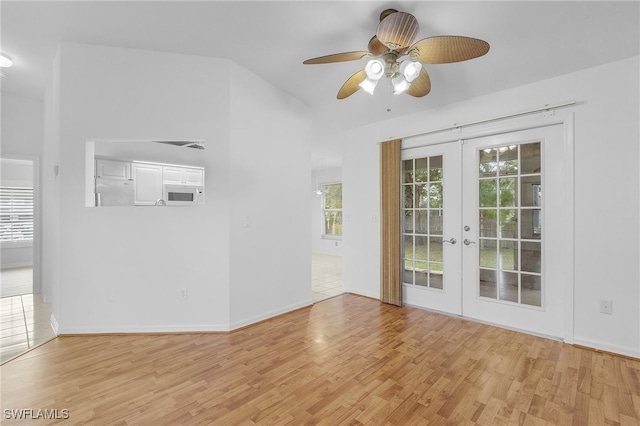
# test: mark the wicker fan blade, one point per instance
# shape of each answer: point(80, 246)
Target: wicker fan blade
point(397, 30)
point(447, 49)
point(421, 86)
point(352, 85)
point(376, 47)
point(337, 57)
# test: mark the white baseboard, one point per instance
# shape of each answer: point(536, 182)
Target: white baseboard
point(54, 324)
point(185, 328)
point(148, 329)
point(362, 293)
point(266, 315)
point(16, 265)
point(608, 347)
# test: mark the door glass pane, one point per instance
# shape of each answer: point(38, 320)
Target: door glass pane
point(488, 223)
point(531, 257)
point(508, 192)
point(422, 274)
point(530, 158)
point(408, 247)
point(510, 223)
point(531, 290)
point(408, 196)
point(531, 227)
point(407, 223)
point(423, 216)
point(435, 195)
point(435, 221)
point(509, 286)
point(509, 255)
point(488, 253)
point(435, 168)
point(422, 221)
point(489, 283)
point(435, 249)
point(407, 171)
point(488, 193)
point(408, 272)
point(435, 279)
point(488, 162)
point(421, 173)
point(531, 191)
point(421, 248)
point(422, 195)
point(508, 164)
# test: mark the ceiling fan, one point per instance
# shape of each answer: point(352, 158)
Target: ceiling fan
point(394, 56)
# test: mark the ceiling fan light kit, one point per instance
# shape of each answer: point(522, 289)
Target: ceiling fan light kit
point(5, 60)
point(400, 61)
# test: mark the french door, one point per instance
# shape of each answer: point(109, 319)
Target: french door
point(431, 227)
point(483, 228)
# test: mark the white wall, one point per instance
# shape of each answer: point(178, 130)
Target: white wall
point(51, 194)
point(122, 269)
point(269, 184)
point(22, 125)
point(606, 220)
point(319, 245)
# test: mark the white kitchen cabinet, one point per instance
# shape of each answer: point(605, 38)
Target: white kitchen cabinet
point(113, 169)
point(183, 175)
point(148, 186)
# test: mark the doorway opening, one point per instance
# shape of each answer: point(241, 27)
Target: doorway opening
point(25, 317)
point(326, 273)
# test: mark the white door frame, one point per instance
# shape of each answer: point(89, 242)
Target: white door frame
point(543, 119)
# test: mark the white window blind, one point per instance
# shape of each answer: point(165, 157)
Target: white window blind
point(16, 214)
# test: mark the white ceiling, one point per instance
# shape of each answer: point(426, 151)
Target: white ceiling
point(530, 41)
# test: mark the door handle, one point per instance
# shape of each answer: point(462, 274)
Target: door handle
point(452, 241)
point(468, 242)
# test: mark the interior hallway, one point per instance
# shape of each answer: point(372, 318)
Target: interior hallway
point(326, 276)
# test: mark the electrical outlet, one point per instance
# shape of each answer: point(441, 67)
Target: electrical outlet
point(184, 295)
point(606, 307)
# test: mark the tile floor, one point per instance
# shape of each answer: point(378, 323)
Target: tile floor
point(16, 281)
point(25, 322)
point(326, 276)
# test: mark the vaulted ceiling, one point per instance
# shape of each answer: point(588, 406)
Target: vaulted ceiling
point(530, 41)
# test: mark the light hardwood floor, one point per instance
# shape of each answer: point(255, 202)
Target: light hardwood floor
point(345, 360)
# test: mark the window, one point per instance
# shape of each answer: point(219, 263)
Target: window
point(16, 214)
point(332, 210)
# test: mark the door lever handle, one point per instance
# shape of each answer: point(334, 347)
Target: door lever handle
point(452, 241)
point(468, 242)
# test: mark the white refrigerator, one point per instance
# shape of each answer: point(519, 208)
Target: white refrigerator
point(114, 192)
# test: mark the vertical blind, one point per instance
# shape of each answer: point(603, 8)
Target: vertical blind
point(390, 232)
point(16, 214)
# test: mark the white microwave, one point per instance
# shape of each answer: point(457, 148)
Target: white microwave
point(183, 195)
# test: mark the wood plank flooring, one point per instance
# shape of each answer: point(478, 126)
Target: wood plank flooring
point(346, 360)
